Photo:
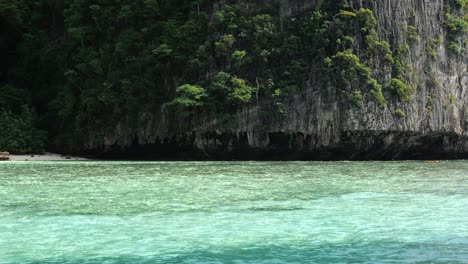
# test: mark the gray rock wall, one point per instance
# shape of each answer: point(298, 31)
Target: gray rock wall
point(318, 124)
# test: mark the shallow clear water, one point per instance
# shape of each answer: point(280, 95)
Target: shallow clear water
point(234, 212)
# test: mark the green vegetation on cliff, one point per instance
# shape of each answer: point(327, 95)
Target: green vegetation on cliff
point(456, 26)
point(81, 67)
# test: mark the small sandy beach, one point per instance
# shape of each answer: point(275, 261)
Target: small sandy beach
point(44, 157)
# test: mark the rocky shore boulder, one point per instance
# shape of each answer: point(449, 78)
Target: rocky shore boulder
point(4, 156)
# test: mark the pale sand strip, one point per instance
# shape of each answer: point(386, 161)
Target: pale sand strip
point(44, 157)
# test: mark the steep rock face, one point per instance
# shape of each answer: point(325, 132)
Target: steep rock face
point(318, 123)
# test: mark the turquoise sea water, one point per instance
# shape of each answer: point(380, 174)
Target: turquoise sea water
point(234, 212)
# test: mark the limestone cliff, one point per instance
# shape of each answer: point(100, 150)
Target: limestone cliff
point(318, 122)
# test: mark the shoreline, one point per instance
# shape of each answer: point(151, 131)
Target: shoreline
point(45, 157)
point(49, 156)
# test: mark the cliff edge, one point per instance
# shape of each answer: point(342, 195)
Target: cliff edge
point(391, 83)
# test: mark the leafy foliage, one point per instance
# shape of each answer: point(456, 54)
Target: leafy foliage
point(356, 99)
point(400, 113)
point(18, 134)
point(230, 89)
point(456, 26)
point(190, 96)
point(86, 66)
point(403, 90)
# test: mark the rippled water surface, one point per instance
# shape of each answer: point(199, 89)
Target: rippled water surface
point(234, 212)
